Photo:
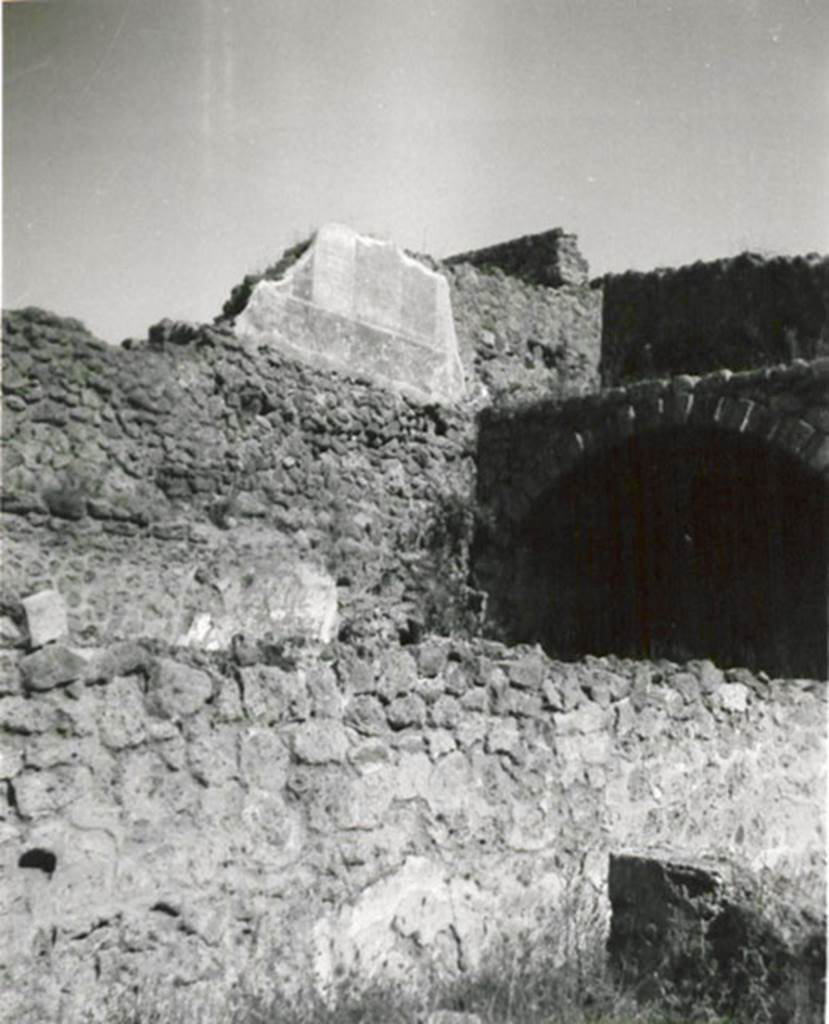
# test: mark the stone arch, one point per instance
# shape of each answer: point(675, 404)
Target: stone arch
point(585, 427)
point(678, 536)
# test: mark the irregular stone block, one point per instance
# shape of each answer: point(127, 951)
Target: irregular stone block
point(397, 675)
point(50, 667)
point(177, 690)
point(457, 679)
point(320, 743)
point(122, 717)
point(734, 697)
point(406, 711)
point(45, 617)
point(11, 761)
point(361, 306)
point(445, 712)
point(370, 755)
point(440, 742)
point(528, 672)
point(431, 657)
point(263, 760)
point(586, 719)
point(121, 659)
point(39, 794)
point(365, 714)
point(580, 749)
point(9, 673)
point(326, 699)
point(272, 695)
point(716, 930)
point(503, 737)
point(365, 801)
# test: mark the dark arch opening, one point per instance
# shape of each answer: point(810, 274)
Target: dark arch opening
point(683, 543)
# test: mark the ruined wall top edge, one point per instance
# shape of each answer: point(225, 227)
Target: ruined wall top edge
point(362, 305)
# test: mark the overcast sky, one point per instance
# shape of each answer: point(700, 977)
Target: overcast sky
point(157, 150)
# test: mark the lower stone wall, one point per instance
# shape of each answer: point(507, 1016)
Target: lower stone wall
point(175, 817)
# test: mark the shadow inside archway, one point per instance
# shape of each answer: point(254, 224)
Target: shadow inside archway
point(682, 543)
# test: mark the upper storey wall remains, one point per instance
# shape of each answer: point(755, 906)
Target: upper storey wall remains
point(551, 258)
point(358, 304)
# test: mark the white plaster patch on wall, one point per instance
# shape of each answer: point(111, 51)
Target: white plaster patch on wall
point(282, 601)
point(363, 307)
point(420, 904)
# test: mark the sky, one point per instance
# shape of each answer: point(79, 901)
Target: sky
point(155, 151)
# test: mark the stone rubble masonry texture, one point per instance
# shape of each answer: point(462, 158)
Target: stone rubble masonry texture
point(551, 258)
point(353, 303)
point(170, 813)
point(742, 312)
point(151, 485)
point(161, 814)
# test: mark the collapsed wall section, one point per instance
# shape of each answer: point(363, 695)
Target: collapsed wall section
point(737, 313)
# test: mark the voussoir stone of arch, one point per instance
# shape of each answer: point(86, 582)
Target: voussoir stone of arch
point(734, 413)
point(794, 434)
point(818, 457)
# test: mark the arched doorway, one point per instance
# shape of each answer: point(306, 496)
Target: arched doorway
point(681, 543)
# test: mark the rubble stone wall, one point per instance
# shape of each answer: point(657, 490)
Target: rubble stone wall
point(172, 818)
point(516, 337)
point(551, 258)
point(739, 313)
point(136, 481)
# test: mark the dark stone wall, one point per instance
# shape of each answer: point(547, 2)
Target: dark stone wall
point(735, 313)
point(551, 258)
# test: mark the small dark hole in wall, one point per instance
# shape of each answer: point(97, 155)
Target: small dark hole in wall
point(411, 633)
point(40, 860)
point(439, 424)
point(164, 908)
point(11, 796)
